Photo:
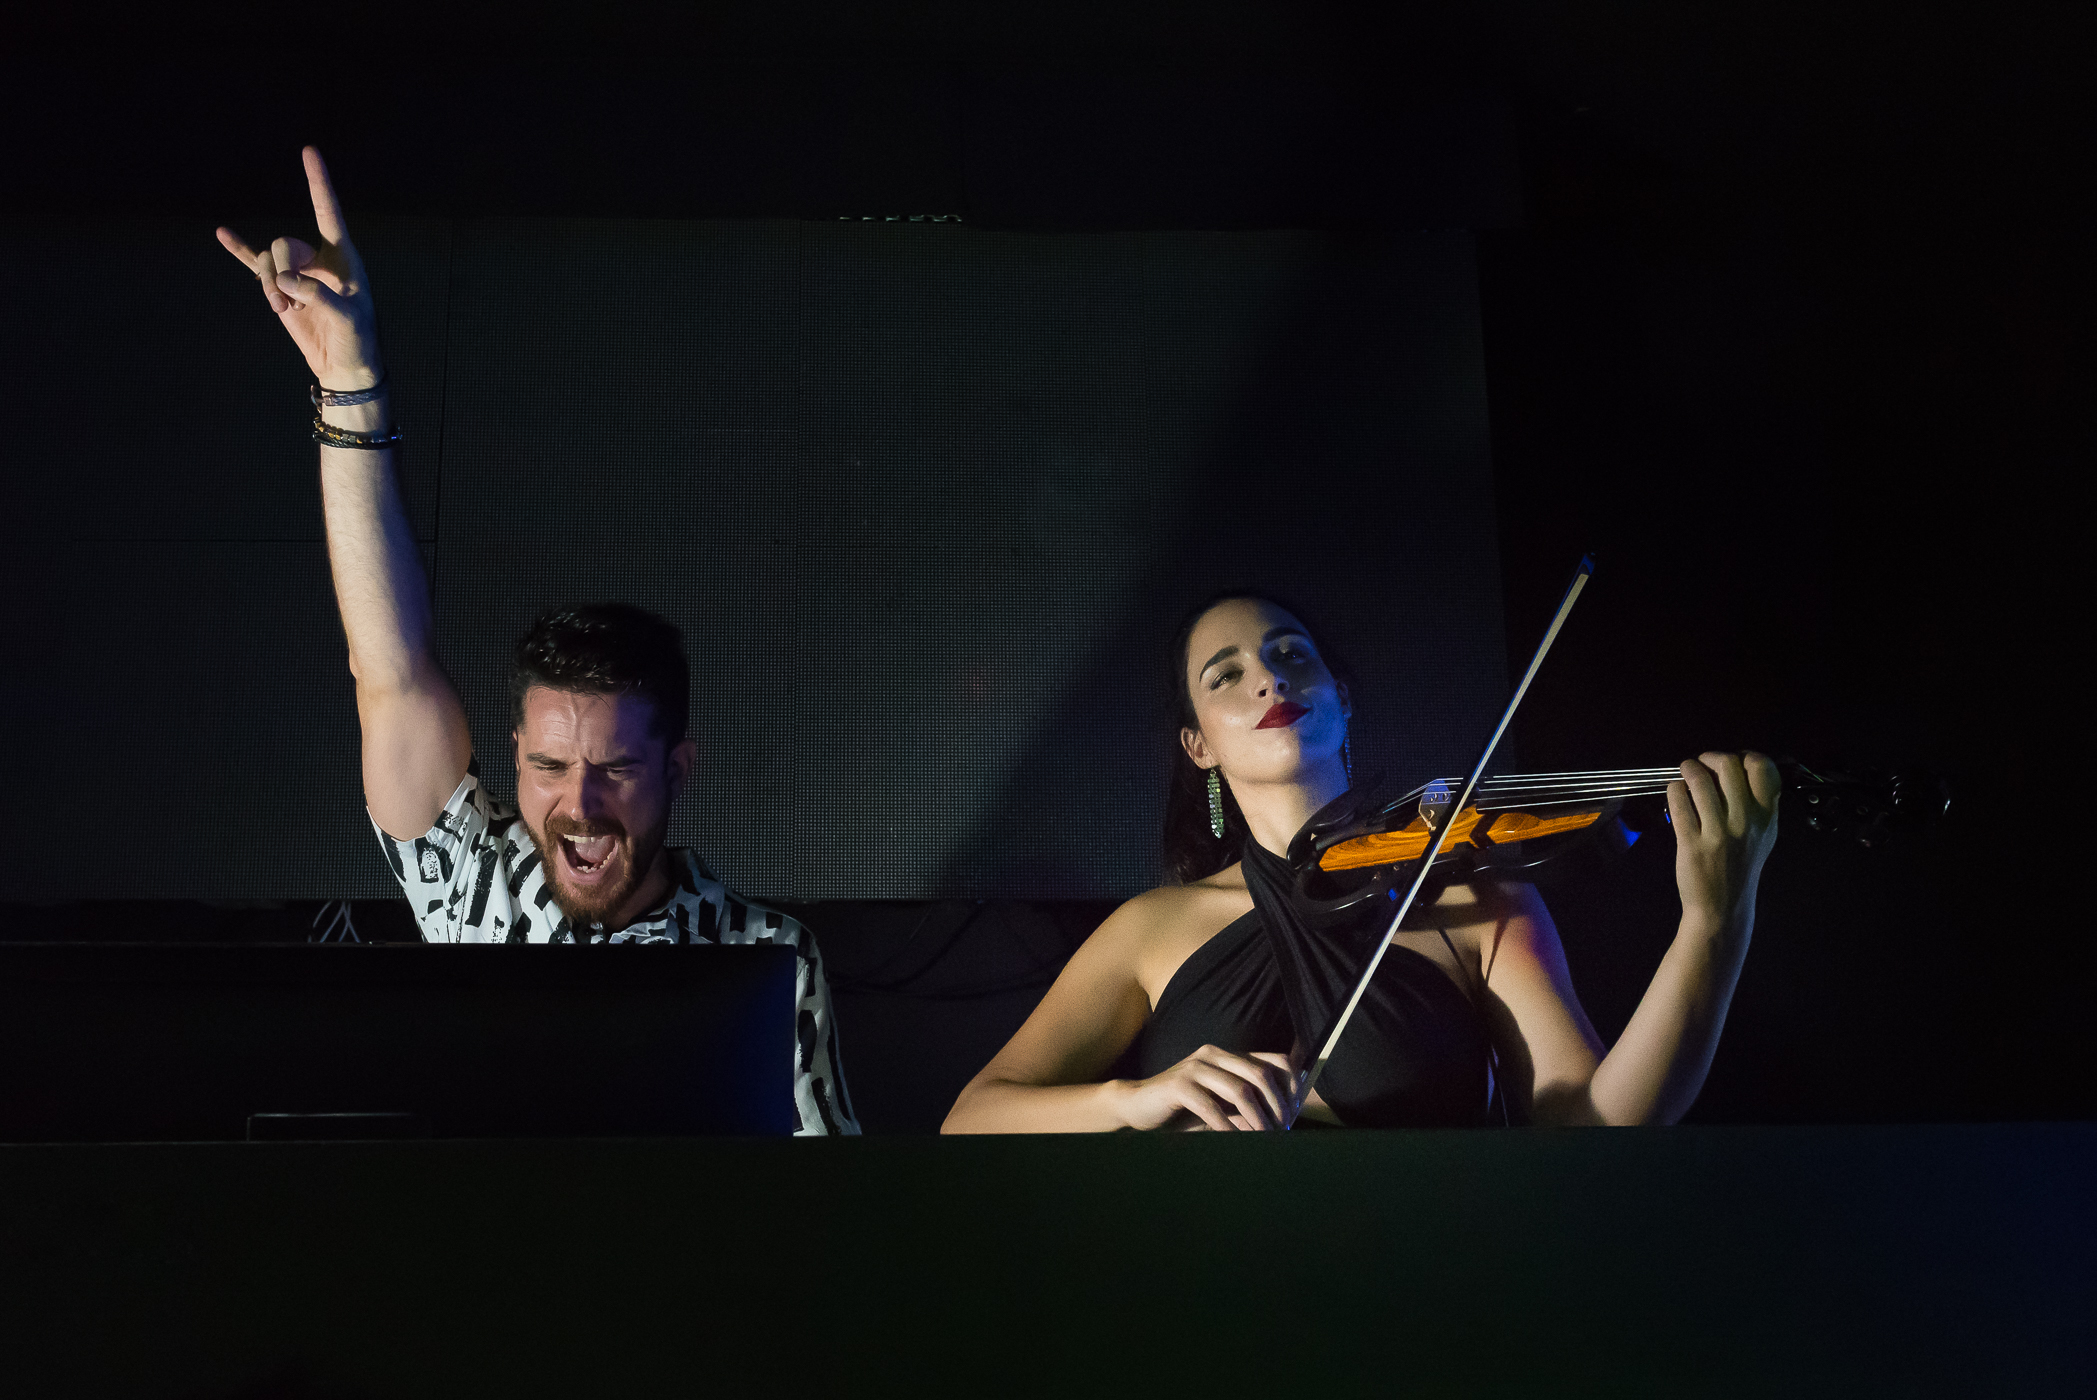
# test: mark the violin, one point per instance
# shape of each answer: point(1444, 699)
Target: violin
point(1521, 826)
point(1360, 847)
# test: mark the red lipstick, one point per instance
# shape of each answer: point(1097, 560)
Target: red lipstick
point(1282, 715)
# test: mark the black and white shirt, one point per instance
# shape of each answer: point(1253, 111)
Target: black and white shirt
point(475, 877)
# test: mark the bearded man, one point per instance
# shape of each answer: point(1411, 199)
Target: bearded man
point(598, 703)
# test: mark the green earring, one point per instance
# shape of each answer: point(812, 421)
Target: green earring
point(1216, 803)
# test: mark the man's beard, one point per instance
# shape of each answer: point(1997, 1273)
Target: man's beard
point(600, 903)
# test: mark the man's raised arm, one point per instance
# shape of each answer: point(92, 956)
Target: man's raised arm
point(416, 743)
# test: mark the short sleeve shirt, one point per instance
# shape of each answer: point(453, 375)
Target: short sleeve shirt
point(475, 877)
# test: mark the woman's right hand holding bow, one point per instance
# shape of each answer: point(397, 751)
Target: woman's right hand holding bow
point(1213, 1089)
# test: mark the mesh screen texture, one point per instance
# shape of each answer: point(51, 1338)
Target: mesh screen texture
point(153, 396)
point(180, 676)
point(927, 501)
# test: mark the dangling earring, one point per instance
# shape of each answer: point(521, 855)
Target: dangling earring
point(1347, 759)
point(1216, 803)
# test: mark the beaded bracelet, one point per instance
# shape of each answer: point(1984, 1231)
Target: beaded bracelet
point(346, 398)
point(328, 435)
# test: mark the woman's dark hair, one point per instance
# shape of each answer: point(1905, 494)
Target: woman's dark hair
point(607, 649)
point(1192, 849)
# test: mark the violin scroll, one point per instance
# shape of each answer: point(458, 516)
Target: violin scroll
point(1867, 807)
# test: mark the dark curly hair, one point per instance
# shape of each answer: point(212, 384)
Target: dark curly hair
point(1192, 849)
point(607, 649)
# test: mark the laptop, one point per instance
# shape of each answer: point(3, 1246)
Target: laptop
point(114, 1042)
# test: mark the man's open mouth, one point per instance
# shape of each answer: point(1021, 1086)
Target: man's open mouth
point(587, 855)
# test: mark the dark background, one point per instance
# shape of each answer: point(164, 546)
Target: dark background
point(1782, 318)
point(926, 499)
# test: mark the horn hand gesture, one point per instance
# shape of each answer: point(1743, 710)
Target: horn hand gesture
point(319, 292)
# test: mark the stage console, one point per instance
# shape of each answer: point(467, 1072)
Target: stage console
point(1687, 1261)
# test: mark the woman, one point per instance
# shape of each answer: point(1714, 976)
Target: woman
point(1213, 999)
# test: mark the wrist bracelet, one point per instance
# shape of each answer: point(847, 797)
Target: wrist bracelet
point(328, 435)
point(346, 398)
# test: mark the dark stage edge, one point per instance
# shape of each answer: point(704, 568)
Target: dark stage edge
point(1699, 1261)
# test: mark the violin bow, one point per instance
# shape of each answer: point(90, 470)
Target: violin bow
point(1308, 1079)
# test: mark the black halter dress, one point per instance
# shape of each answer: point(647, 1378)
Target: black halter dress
point(1415, 1055)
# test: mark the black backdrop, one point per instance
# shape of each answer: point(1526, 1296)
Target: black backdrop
point(926, 500)
point(1786, 322)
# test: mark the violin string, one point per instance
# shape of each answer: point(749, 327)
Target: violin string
point(1569, 785)
point(1542, 788)
point(1662, 779)
point(1565, 801)
point(1562, 802)
point(1589, 781)
point(1572, 789)
point(1552, 779)
point(1526, 781)
point(1601, 772)
point(1514, 791)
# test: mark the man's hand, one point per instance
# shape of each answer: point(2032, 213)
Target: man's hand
point(416, 742)
point(1724, 811)
point(320, 294)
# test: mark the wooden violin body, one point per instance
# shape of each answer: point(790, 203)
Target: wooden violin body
point(1358, 847)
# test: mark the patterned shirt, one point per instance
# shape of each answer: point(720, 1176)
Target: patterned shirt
point(476, 877)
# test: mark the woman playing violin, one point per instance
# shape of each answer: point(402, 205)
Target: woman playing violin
point(1193, 1003)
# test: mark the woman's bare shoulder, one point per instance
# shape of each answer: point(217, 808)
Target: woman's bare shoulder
point(1159, 929)
point(1170, 907)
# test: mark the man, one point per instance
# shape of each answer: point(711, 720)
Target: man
point(598, 702)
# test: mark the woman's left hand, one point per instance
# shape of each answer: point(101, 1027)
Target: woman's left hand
point(1724, 811)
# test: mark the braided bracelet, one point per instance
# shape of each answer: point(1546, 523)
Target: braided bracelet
point(346, 398)
point(328, 435)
